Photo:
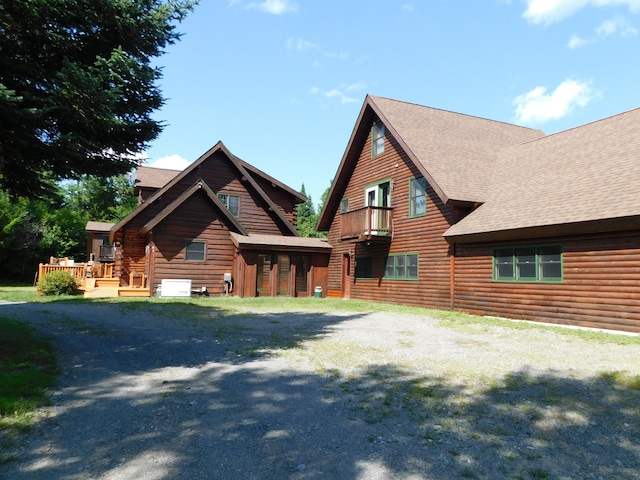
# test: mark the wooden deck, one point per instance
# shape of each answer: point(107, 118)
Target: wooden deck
point(97, 281)
point(110, 288)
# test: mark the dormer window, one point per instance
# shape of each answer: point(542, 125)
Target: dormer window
point(377, 139)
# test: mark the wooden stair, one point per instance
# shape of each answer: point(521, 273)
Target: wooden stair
point(110, 288)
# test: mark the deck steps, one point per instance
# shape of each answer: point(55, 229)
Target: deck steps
point(110, 288)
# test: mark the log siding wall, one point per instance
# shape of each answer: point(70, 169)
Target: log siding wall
point(197, 219)
point(600, 289)
point(421, 235)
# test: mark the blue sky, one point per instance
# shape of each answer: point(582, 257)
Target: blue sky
point(281, 82)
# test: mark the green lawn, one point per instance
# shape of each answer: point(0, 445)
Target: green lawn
point(28, 367)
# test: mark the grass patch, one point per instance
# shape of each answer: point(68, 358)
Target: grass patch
point(28, 367)
point(623, 379)
point(192, 308)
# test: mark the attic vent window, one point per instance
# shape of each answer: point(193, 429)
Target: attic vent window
point(377, 139)
point(232, 202)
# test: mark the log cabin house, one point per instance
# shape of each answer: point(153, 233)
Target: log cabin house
point(221, 225)
point(443, 210)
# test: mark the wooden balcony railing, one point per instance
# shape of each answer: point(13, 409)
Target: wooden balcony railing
point(367, 223)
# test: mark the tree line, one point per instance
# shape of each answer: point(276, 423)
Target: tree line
point(78, 88)
point(32, 230)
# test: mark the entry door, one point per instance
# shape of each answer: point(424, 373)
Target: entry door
point(346, 276)
point(263, 275)
point(372, 201)
point(377, 196)
point(283, 287)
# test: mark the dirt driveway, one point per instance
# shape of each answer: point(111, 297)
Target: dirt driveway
point(151, 392)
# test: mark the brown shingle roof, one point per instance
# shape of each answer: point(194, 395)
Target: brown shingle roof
point(98, 226)
point(283, 243)
point(458, 151)
point(589, 173)
point(151, 177)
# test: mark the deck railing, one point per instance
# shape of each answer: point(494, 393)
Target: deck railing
point(366, 223)
point(79, 270)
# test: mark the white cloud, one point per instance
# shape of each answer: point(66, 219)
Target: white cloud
point(172, 162)
point(342, 93)
point(551, 11)
point(538, 106)
point(576, 41)
point(301, 45)
point(274, 7)
point(616, 25)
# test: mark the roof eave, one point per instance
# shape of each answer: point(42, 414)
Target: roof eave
point(547, 231)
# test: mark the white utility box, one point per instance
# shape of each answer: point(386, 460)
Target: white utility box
point(175, 288)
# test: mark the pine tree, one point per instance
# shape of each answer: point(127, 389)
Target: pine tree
point(78, 87)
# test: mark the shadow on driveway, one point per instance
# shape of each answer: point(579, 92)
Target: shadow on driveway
point(191, 392)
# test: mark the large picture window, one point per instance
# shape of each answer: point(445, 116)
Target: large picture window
point(528, 264)
point(417, 197)
point(195, 251)
point(402, 267)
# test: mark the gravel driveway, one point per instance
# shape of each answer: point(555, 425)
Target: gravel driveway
point(157, 391)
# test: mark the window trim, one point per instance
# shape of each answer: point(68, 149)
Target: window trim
point(412, 213)
point(406, 275)
point(378, 132)
point(226, 200)
point(190, 242)
point(379, 192)
point(537, 262)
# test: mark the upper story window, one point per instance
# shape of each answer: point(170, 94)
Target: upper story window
point(528, 264)
point(377, 139)
point(344, 205)
point(195, 251)
point(232, 202)
point(417, 197)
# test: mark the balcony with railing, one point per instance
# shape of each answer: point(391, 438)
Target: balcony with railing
point(367, 223)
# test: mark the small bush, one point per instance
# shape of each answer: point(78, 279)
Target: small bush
point(59, 282)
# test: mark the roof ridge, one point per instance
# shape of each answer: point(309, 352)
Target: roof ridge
point(456, 113)
point(159, 168)
point(588, 124)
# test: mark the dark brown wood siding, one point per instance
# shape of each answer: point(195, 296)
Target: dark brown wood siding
point(222, 177)
point(195, 220)
point(285, 201)
point(421, 235)
point(600, 288)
